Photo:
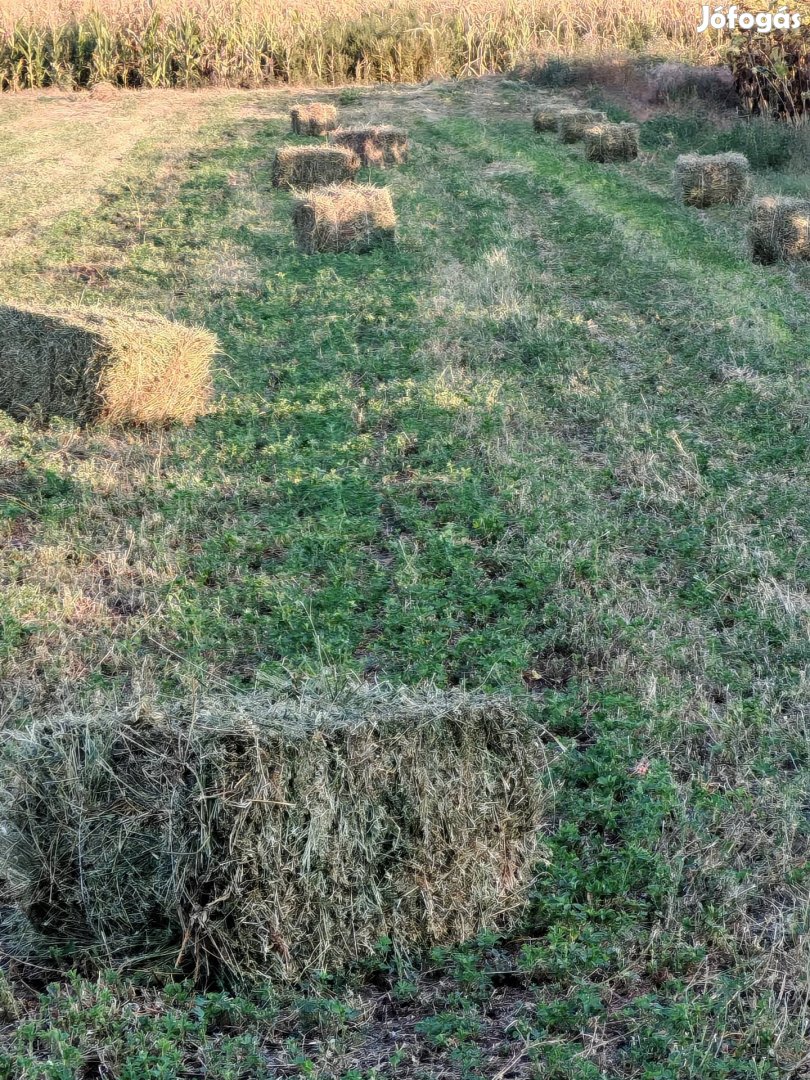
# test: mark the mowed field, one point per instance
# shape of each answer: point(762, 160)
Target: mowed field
point(554, 443)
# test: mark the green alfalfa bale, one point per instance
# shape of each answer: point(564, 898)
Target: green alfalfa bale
point(705, 180)
point(375, 145)
point(316, 118)
point(97, 364)
point(309, 166)
point(545, 118)
point(779, 229)
point(611, 142)
point(344, 218)
point(572, 123)
point(269, 835)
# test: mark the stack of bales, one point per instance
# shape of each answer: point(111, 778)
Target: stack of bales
point(704, 180)
point(314, 119)
point(103, 365)
point(330, 213)
point(573, 123)
point(270, 837)
point(611, 142)
point(779, 229)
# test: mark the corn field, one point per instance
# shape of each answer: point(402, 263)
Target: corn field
point(772, 71)
point(190, 43)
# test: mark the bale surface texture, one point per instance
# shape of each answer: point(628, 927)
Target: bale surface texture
point(259, 836)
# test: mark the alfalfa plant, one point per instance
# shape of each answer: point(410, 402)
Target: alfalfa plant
point(779, 229)
point(343, 218)
point(103, 365)
point(308, 166)
point(269, 836)
point(704, 180)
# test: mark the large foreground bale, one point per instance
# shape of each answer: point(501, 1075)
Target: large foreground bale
point(573, 123)
point(308, 166)
point(612, 142)
point(375, 144)
point(779, 229)
point(705, 180)
point(97, 365)
point(344, 219)
point(545, 118)
point(314, 119)
point(260, 836)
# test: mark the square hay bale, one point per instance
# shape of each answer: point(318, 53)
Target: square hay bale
point(779, 229)
point(309, 166)
point(103, 365)
point(314, 119)
point(374, 144)
point(344, 219)
point(545, 118)
point(572, 123)
point(704, 180)
point(267, 836)
point(612, 142)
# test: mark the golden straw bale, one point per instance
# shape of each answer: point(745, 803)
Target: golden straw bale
point(344, 218)
point(309, 166)
point(611, 142)
point(314, 119)
point(779, 229)
point(101, 365)
point(269, 836)
point(704, 180)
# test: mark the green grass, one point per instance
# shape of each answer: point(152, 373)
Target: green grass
point(556, 442)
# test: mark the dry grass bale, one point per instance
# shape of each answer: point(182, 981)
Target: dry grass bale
point(314, 119)
point(612, 142)
point(336, 218)
point(375, 144)
point(572, 123)
point(268, 836)
point(779, 229)
point(97, 365)
point(308, 166)
point(712, 179)
point(104, 91)
point(545, 118)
